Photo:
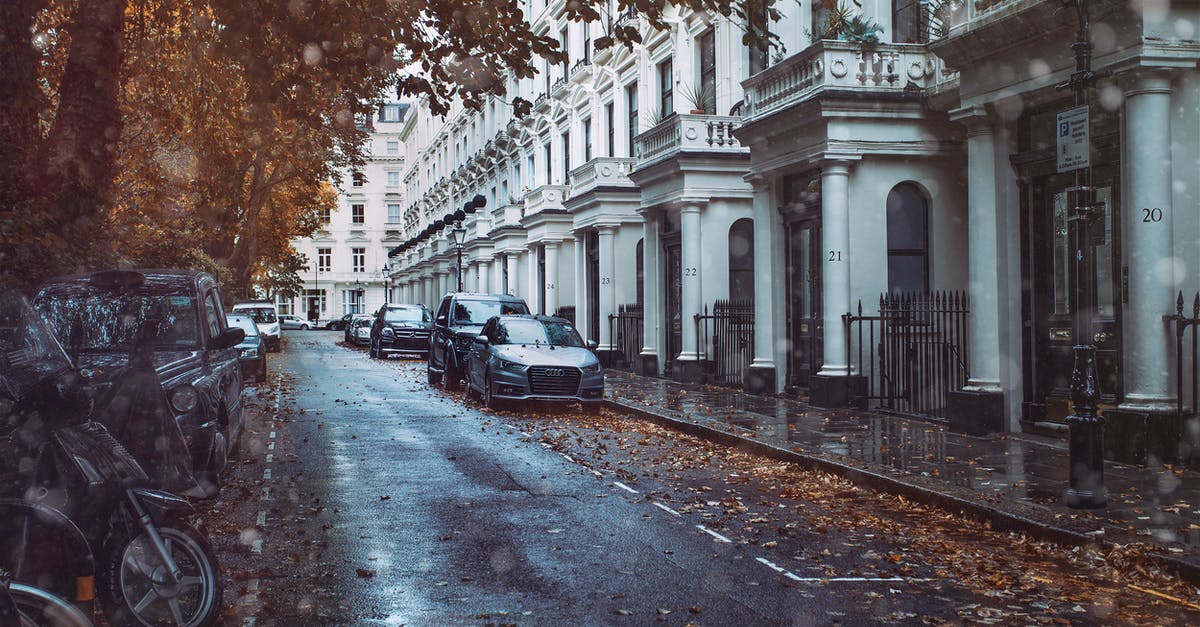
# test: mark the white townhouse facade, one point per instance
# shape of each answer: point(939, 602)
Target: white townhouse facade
point(886, 215)
point(347, 257)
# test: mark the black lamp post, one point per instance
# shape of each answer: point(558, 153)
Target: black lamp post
point(460, 235)
point(359, 295)
point(387, 284)
point(1086, 439)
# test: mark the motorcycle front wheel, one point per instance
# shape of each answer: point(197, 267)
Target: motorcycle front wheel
point(38, 608)
point(135, 587)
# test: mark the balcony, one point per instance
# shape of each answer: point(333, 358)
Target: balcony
point(828, 65)
point(545, 198)
point(602, 172)
point(508, 214)
point(688, 133)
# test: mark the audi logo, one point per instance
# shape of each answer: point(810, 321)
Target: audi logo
point(555, 372)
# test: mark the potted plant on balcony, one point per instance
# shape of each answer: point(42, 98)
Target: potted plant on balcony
point(702, 98)
point(843, 23)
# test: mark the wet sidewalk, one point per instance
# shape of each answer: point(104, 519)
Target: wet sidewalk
point(1014, 480)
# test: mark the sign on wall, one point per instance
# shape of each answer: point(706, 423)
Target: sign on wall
point(1073, 142)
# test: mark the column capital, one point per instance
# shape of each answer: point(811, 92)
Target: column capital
point(1147, 82)
point(972, 115)
point(757, 181)
point(606, 229)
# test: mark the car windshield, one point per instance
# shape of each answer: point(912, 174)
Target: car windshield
point(244, 323)
point(537, 332)
point(29, 351)
point(480, 311)
point(88, 319)
point(261, 315)
point(407, 314)
point(362, 322)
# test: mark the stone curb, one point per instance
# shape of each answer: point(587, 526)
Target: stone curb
point(911, 488)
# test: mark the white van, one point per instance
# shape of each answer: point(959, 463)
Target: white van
point(266, 318)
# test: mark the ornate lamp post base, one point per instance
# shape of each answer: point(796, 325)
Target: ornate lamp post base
point(1086, 438)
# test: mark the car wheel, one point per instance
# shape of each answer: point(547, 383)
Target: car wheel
point(452, 378)
point(471, 393)
point(489, 398)
point(374, 350)
point(304, 327)
point(434, 377)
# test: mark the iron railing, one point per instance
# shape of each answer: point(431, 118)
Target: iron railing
point(566, 311)
point(912, 353)
point(726, 338)
point(1182, 323)
point(625, 329)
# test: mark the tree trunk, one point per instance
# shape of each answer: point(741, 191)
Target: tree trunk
point(20, 97)
point(78, 159)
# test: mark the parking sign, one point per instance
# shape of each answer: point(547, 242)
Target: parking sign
point(1072, 141)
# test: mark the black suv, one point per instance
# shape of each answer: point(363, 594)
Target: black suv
point(400, 328)
point(457, 322)
point(97, 316)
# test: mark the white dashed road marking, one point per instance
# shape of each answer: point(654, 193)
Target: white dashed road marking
point(719, 537)
point(625, 487)
point(667, 509)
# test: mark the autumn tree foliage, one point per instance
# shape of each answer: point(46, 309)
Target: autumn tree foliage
point(206, 133)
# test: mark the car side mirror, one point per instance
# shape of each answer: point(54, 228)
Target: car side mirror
point(441, 320)
point(593, 345)
point(481, 340)
point(228, 338)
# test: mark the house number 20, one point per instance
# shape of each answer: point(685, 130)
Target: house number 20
point(1152, 215)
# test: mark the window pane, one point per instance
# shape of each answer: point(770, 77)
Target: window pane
point(1062, 302)
point(906, 273)
point(906, 218)
point(1104, 261)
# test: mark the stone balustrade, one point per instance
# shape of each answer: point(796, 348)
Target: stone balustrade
point(602, 172)
point(687, 133)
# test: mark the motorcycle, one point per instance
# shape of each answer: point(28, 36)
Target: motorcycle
point(153, 567)
point(23, 605)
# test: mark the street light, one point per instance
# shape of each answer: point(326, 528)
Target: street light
point(358, 305)
point(460, 236)
point(387, 284)
point(1086, 436)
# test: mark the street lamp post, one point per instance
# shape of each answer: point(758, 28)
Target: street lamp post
point(460, 236)
point(387, 284)
point(1086, 436)
point(358, 296)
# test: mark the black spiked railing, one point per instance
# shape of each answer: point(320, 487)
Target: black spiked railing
point(913, 352)
point(625, 329)
point(726, 338)
point(1182, 323)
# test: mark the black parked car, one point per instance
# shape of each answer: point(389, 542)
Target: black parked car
point(458, 320)
point(98, 315)
point(400, 328)
point(252, 352)
point(340, 324)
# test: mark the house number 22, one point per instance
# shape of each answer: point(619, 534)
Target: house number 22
point(689, 272)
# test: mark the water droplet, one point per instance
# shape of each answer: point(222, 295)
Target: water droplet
point(312, 54)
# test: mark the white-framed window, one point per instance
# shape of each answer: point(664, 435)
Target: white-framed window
point(393, 179)
point(390, 113)
point(358, 179)
point(358, 213)
point(358, 259)
point(284, 304)
point(352, 301)
point(393, 147)
point(324, 257)
point(326, 215)
point(393, 216)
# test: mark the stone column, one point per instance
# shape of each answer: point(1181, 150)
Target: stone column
point(979, 406)
point(483, 272)
point(692, 259)
point(510, 261)
point(831, 386)
point(426, 291)
point(608, 293)
point(760, 377)
point(1148, 343)
point(651, 310)
point(581, 303)
point(533, 290)
point(551, 304)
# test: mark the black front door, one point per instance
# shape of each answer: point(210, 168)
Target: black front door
point(804, 323)
point(1049, 293)
point(593, 286)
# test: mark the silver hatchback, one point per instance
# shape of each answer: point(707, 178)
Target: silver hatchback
point(533, 358)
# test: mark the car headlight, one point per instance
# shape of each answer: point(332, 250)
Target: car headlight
point(388, 331)
point(250, 353)
point(512, 365)
point(592, 368)
point(184, 398)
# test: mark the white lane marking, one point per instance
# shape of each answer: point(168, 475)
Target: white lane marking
point(597, 473)
point(567, 457)
point(719, 537)
point(667, 509)
point(249, 622)
point(262, 518)
point(625, 487)
point(271, 446)
point(779, 569)
point(799, 579)
point(266, 473)
point(270, 457)
point(256, 547)
point(266, 494)
point(272, 436)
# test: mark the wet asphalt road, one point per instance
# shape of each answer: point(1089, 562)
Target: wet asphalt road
point(364, 496)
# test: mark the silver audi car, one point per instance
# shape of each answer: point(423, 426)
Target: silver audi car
point(533, 358)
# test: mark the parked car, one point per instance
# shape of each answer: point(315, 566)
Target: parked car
point(340, 324)
point(289, 321)
point(98, 316)
point(401, 328)
point(252, 352)
point(267, 319)
point(359, 330)
point(534, 358)
point(457, 322)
